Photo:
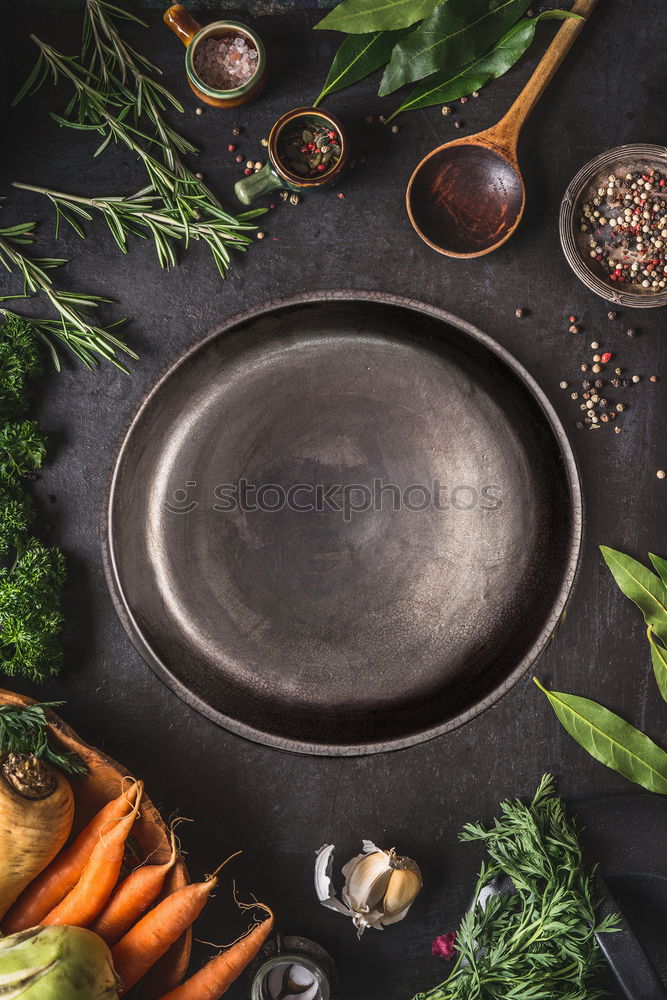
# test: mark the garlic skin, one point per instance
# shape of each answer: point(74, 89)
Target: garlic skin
point(380, 886)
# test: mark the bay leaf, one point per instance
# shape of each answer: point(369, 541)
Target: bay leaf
point(611, 740)
point(660, 566)
point(358, 56)
point(455, 34)
point(452, 84)
point(642, 586)
point(358, 17)
point(659, 660)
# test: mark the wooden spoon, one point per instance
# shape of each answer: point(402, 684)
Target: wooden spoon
point(467, 197)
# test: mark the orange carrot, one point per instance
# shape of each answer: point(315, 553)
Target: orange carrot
point(217, 976)
point(49, 888)
point(151, 936)
point(132, 898)
point(91, 893)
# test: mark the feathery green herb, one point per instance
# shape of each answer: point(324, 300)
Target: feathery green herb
point(112, 92)
point(25, 730)
point(74, 327)
point(32, 574)
point(537, 943)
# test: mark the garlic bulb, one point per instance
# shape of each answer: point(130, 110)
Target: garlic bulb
point(380, 887)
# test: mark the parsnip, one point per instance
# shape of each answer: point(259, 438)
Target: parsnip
point(36, 813)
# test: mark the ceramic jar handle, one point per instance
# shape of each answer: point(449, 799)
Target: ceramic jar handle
point(253, 187)
point(182, 23)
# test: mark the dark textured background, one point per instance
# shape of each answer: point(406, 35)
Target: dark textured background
point(277, 807)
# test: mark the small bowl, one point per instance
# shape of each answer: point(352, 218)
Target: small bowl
point(621, 160)
point(275, 174)
point(191, 33)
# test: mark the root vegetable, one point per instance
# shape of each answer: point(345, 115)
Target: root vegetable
point(56, 963)
point(215, 978)
point(132, 898)
point(150, 938)
point(36, 813)
point(44, 894)
point(91, 893)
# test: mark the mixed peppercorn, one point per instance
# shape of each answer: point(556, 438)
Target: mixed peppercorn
point(309, 151)
point(627, 222)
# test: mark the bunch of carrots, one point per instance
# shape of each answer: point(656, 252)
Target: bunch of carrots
point(80, 888)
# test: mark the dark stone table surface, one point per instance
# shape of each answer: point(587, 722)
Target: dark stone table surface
point(277, 807)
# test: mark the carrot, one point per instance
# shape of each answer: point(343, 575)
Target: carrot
point(90, 894)
point(217, 976)
point(151, 936)
point(132, 898)
point(49, 888)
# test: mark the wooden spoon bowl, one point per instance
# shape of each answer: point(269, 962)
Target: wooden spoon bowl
point(150, 833)
point(467, 197)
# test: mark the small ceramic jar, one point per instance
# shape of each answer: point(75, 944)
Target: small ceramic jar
point(184, 26)
point(277, 173)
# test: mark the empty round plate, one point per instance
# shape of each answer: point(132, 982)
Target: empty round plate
point(343, 523)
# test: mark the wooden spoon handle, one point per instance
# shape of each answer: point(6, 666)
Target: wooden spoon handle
point(508, 128)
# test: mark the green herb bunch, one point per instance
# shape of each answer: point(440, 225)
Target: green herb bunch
point(31, 574)
point(606, 736)
point(115, 95)
point(449, 48)
point(537, 943)
point(25, 730)
point(74, 326)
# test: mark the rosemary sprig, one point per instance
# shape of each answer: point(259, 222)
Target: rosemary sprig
point(74, 327)
point(537, 943)
point(147, 216)
point(25, 730)
point(112, 91)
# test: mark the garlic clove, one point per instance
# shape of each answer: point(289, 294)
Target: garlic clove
point(368, 881)
point(401, 892)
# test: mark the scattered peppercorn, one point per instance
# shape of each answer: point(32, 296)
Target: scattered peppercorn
point(584, 367)
point(598, 383)
point(265, 142)
point(564, 385)
point(238, 158)
point(519, 313)
point(594, 345)
point(294, 199)
point(653, 378)
point(606, 357)
point(236, 130)
point(574, 395)
point(459, 124)
point(340, 195)
point(475, 93)
point(620, 407)
point(611, 314)
point(631, 332)
point(248, 171)
point(395, 129)
point(661, 473)
point(464, 100)
point(199, 111)
point(446, 110)
point(636, 378)
point(618, 371)
point(260, 235)
point(231, 147)
point(199, 176)
point(596, 357)
point(617, 430)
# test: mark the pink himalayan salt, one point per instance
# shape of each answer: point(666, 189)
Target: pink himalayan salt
point(226, 62)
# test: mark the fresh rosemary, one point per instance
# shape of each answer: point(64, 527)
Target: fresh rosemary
point(75, 327)
point(113, 91)
point(25, 730)
point(537, 943)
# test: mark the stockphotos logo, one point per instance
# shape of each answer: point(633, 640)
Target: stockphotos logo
point(348, 500)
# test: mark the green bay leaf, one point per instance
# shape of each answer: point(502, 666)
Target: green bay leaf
point(611, 740)
point(660, 566)
point(358, 56)
point(358, 17)
point(450, 85)
point(642, 586)
point(659, 660)
point(455, 34)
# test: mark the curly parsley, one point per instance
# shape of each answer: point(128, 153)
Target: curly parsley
point(32, 574)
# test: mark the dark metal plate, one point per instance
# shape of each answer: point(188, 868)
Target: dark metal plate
point(396, 617)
